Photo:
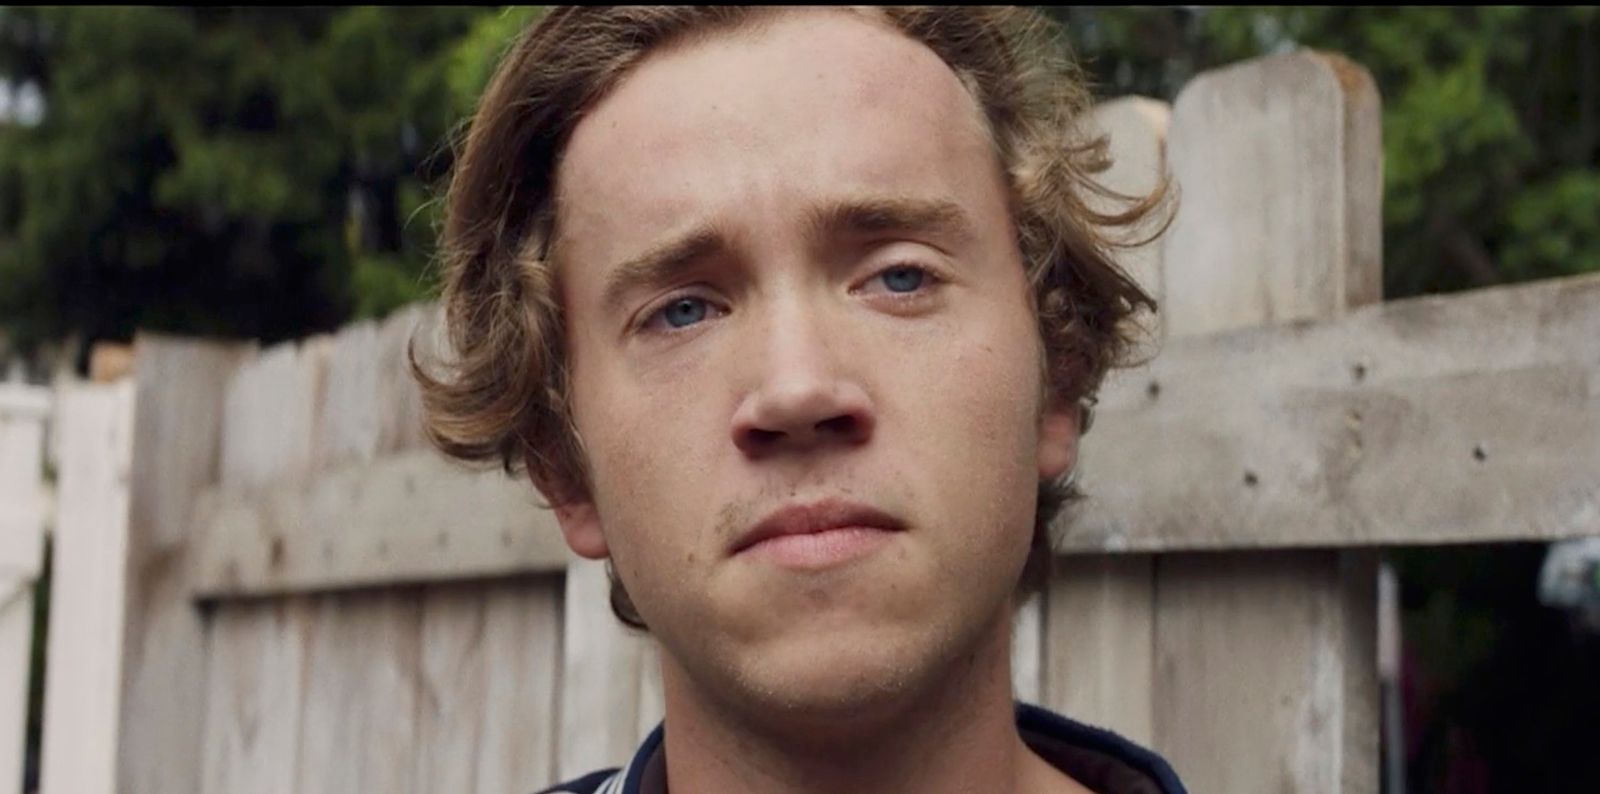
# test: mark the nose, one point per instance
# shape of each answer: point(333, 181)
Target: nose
point(802, 398)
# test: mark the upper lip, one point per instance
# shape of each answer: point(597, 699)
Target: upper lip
point(822, 516)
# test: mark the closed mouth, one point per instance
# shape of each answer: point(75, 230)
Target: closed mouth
point(804, 519)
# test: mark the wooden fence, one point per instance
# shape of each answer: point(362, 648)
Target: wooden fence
point(23, 412)
point(276, 587)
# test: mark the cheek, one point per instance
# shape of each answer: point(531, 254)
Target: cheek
point(648, 479)
point(988, 401)
point(996, 383)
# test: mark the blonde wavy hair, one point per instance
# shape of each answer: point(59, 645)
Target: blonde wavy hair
point(501, 393)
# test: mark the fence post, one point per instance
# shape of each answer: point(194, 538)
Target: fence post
point(22, 416)
point(178, 402)
point(1266, 660)
point(94, 439)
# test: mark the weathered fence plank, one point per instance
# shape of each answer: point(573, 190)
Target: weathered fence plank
point(1446, 419)
point(601, 670)
point(1100, 644)
point(358, 709)
point(83, 680)
point(486, 718)
point(22, 417)
point(256, 672)
point(1266, 655)
point(177, 423)
point(408, 517)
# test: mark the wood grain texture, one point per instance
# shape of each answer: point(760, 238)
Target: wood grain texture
point(1268, 656)
point(1484, 457)
point(255, 680)
point(351, 407)
point(1263, 662)
point(178, 410)
point(401, 427)
point(454, 690)
point(486, 717)
point(367, 647)
point(602, 667)
point(1136, 131)
point(359, 704)
point(256, 650)
point(1280, 166)
point(408, 517)
point(1099, 642)
point(516, 750)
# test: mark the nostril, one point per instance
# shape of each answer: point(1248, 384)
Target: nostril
point(851, 428)
point(763, 438)
point(844, 425)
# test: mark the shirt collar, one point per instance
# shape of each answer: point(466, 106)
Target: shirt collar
point(1098, 758)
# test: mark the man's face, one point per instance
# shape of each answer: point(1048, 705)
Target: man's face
point(791, 281)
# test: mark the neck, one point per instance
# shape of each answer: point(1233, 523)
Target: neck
point(958, 734)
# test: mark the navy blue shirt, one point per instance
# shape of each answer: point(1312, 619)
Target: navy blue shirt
point(1099, 759)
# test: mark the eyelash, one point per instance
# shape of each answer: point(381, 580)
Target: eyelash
point(931, 279)
point(656, 315)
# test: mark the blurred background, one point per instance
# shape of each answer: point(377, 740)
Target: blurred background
point(272, 174)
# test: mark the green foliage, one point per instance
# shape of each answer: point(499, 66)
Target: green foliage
point(1553, 226)
point(263, 173)
point(1491, 119)
point(473, 59)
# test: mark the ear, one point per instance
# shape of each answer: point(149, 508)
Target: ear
point(580, 526)
point(1058, 440)
point(579, 522)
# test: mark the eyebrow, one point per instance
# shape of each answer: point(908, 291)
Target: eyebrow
point(668, 260)
point(880, 214)
point(663, 262)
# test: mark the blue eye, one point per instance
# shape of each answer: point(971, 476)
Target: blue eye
point(904, 278)
point(684, 312)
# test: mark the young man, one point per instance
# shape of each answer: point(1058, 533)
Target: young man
point(791, 316)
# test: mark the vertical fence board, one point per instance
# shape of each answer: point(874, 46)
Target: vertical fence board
point(1263, 655)
point(254, 679)
point(1027, 650)
point(177, 421)
point(94, 443)
point(358, 706)
point(601, 670)
point(256, 669)
point(365, 646)
point(22, 416)
point(454, 689)
point(1099, 642)
point(516, 746)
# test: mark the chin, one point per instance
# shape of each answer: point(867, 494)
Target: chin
point(845, 679)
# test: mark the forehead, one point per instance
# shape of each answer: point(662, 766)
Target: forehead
point(810, 103)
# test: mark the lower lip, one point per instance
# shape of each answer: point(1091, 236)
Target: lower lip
point(819, 549)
